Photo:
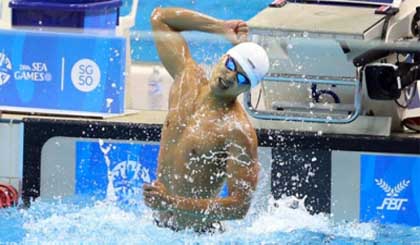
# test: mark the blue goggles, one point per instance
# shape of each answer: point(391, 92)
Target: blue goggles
point(231, 66)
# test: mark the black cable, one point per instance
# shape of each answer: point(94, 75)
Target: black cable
point(258, 99)
point(388, 15)
point(385, 26)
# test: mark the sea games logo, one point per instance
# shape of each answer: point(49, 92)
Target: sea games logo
point(37, 72)
point(5, 69)
point(392, 202)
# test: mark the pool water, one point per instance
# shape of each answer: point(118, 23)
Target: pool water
point(204, 49)
point(76, 220)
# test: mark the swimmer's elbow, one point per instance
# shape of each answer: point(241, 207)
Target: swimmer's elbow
point(157, 15)
point(160, 14)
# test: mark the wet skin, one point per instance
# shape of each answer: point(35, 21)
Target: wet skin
point(207, 138)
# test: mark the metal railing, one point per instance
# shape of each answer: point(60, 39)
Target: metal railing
point(312, 115)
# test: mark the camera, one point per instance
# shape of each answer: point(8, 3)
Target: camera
point(385, 81)
point(382, 81)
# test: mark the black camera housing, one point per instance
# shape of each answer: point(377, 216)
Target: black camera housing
point(383, 81)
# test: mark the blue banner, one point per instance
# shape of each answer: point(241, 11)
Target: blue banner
point(117, 171)
point(114, 171)
point(46, 71)
point(390, 189)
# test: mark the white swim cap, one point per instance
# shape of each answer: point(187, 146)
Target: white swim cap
point(253, 59)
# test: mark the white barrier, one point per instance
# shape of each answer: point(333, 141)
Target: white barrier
point(5, 14)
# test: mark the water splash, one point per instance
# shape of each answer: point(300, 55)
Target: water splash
point(101, 223)
point(289, 215)
point(81, 221)
point(110, 190)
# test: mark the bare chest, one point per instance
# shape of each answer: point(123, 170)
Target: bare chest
point(197, 132)
point(192, 154)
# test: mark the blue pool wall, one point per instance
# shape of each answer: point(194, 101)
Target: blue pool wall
point(204, 48)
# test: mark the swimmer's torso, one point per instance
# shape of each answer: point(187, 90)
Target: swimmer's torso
point(192, 158)
point(191, 155)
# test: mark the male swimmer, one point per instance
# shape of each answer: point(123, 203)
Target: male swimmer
point(207, 139)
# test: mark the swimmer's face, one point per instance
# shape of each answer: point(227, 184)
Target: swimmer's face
point(228, 78)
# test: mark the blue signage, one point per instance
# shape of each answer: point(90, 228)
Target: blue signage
point(390, 189)
point(114, 171)
point(61, 72)
point(117, 171)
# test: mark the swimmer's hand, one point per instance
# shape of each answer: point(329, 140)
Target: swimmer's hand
point(156, 196)
point(236, 31)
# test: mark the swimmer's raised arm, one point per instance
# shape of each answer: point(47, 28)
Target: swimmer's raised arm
point(242, 176)
point(173, 50)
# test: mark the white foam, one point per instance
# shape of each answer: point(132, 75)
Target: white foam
point(104, 222)
point(289, 214)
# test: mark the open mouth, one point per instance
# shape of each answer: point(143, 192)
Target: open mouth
point(223, 83)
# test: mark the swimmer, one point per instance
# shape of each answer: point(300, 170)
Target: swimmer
point(207, 138)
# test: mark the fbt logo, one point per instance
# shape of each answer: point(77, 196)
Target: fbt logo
point(392, 202)
point(85, 75)
point(5, 69)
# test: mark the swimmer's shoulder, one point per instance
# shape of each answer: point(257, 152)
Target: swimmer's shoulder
point(241, 114)
point(242, 126)
point(194, 67)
